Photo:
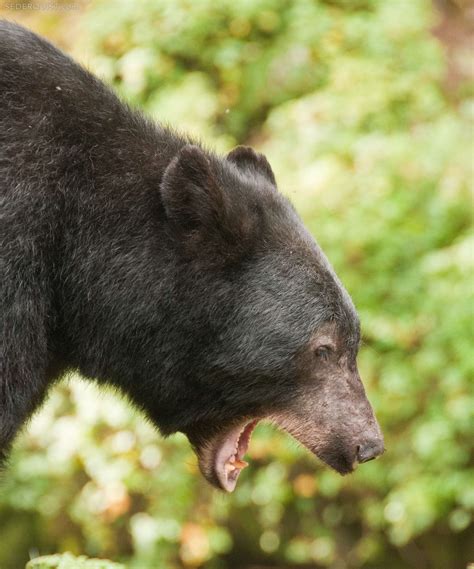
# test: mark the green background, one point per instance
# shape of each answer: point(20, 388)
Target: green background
point(364, 108)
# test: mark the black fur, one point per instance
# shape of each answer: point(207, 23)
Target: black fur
point(132, 254)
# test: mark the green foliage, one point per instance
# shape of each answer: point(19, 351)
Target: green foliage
point(68, 561)
point(346, 98)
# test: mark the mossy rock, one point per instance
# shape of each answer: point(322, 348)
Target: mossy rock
point(68, 561)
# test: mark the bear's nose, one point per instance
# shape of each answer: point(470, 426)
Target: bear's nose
point(369, 450)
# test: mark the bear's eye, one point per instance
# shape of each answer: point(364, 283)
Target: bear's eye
point(323, 352)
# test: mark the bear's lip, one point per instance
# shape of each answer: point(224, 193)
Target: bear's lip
point(228, 459)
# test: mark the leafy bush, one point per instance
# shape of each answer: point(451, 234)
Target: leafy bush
point(346, 98)
point(67, 561)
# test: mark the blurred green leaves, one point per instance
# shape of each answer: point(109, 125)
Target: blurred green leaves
point(67, 561)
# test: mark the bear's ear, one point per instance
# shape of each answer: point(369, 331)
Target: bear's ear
point(247, 159)
point(191, 195)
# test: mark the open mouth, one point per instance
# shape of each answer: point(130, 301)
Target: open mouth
point(221, 459)
point(225, 461)
point(228, 460)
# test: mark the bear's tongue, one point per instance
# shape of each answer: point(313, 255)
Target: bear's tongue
point(228, 462)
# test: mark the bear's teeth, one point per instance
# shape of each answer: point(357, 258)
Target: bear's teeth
point(235, 464)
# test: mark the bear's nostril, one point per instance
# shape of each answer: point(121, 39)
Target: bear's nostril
point(369, 450)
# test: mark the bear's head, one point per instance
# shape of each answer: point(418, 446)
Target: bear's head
point(267, 331)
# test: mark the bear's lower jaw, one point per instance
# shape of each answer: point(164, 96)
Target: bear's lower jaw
point(221, 459)
point(228, 460)
point(221, 456)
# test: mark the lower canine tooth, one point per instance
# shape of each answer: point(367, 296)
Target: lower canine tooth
point(229, 467)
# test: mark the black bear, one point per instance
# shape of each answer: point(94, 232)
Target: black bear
point(137, 257)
